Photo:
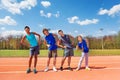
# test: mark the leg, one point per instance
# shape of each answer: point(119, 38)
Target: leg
point(35, 63)
point(54, 62)
point(63, 60)
point(35, 60)
point(54, 65)
point(55, 56)
point(30, 61)
point(48, 62)
point(80, 61)
point(49, 58)
point(36, 52)
point(69, 61)
point(70, 54)
point(86, 59)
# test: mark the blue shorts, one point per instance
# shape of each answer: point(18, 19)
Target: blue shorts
point(34, 50)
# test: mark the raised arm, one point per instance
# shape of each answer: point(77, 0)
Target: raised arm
point(22, 40)
point(38, 37)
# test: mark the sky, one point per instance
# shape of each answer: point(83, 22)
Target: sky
point(75, 17)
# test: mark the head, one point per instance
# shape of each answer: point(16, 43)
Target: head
point(27, 29)
point(45, 32)
point(79, 38)
point(60, 32)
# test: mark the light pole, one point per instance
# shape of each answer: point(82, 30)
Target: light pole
point(101, 29)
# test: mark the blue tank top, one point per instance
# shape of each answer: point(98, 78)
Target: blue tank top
point(32, 40)
point(66, 41)
point(83, 45)
point(51, 41)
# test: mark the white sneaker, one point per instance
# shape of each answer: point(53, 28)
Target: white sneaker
point(46, 69)
point(77, 69)
point(54, 69)
point(87, 68)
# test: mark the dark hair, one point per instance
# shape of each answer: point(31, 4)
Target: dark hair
point(44, 30)
point(60, 31)
point(27, 27)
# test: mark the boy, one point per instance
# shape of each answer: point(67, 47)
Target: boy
point(50, 42)
point(67, 46)
point(83, 45)
point(34, 46)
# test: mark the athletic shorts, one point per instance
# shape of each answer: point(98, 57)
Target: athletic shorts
point(34, 50)
point(68, 52)
point(52, 53)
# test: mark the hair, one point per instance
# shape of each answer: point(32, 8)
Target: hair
point(27, 27)
point(79, 36)
point(60, 31)
point(44, 30)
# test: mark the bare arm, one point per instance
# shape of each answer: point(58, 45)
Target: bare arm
point(59, 44)
point(38, 37)
point(87, 42)
point(45, 43)
point(77, 47)
point(72, 39)
point(55, 35)
point(22, 41)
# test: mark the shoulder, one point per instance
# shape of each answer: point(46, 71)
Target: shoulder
point(70, 36)
point(32, 32)
point(84, 40)
point(50, 34)
point(67, 35)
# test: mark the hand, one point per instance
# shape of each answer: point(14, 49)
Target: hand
point(64, 47)
point(48, 45)
point(72, 43)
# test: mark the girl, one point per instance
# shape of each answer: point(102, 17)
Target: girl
point(83, 45)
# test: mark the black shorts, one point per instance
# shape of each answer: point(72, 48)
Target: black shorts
point(34, 50)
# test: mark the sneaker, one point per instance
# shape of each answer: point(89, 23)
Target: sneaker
point(28, 70)
point(69, 68)
point(61, 68)
point(77, 69)
point(46, 69)
point(87, 68)
point(54, 69)
point(35, 71)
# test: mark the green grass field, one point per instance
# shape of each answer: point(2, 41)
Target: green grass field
point(43, 53)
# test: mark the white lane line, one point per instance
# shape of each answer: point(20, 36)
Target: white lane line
point(110, 69)
point(12, 72)
point(18, 65)
point(73, 64)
